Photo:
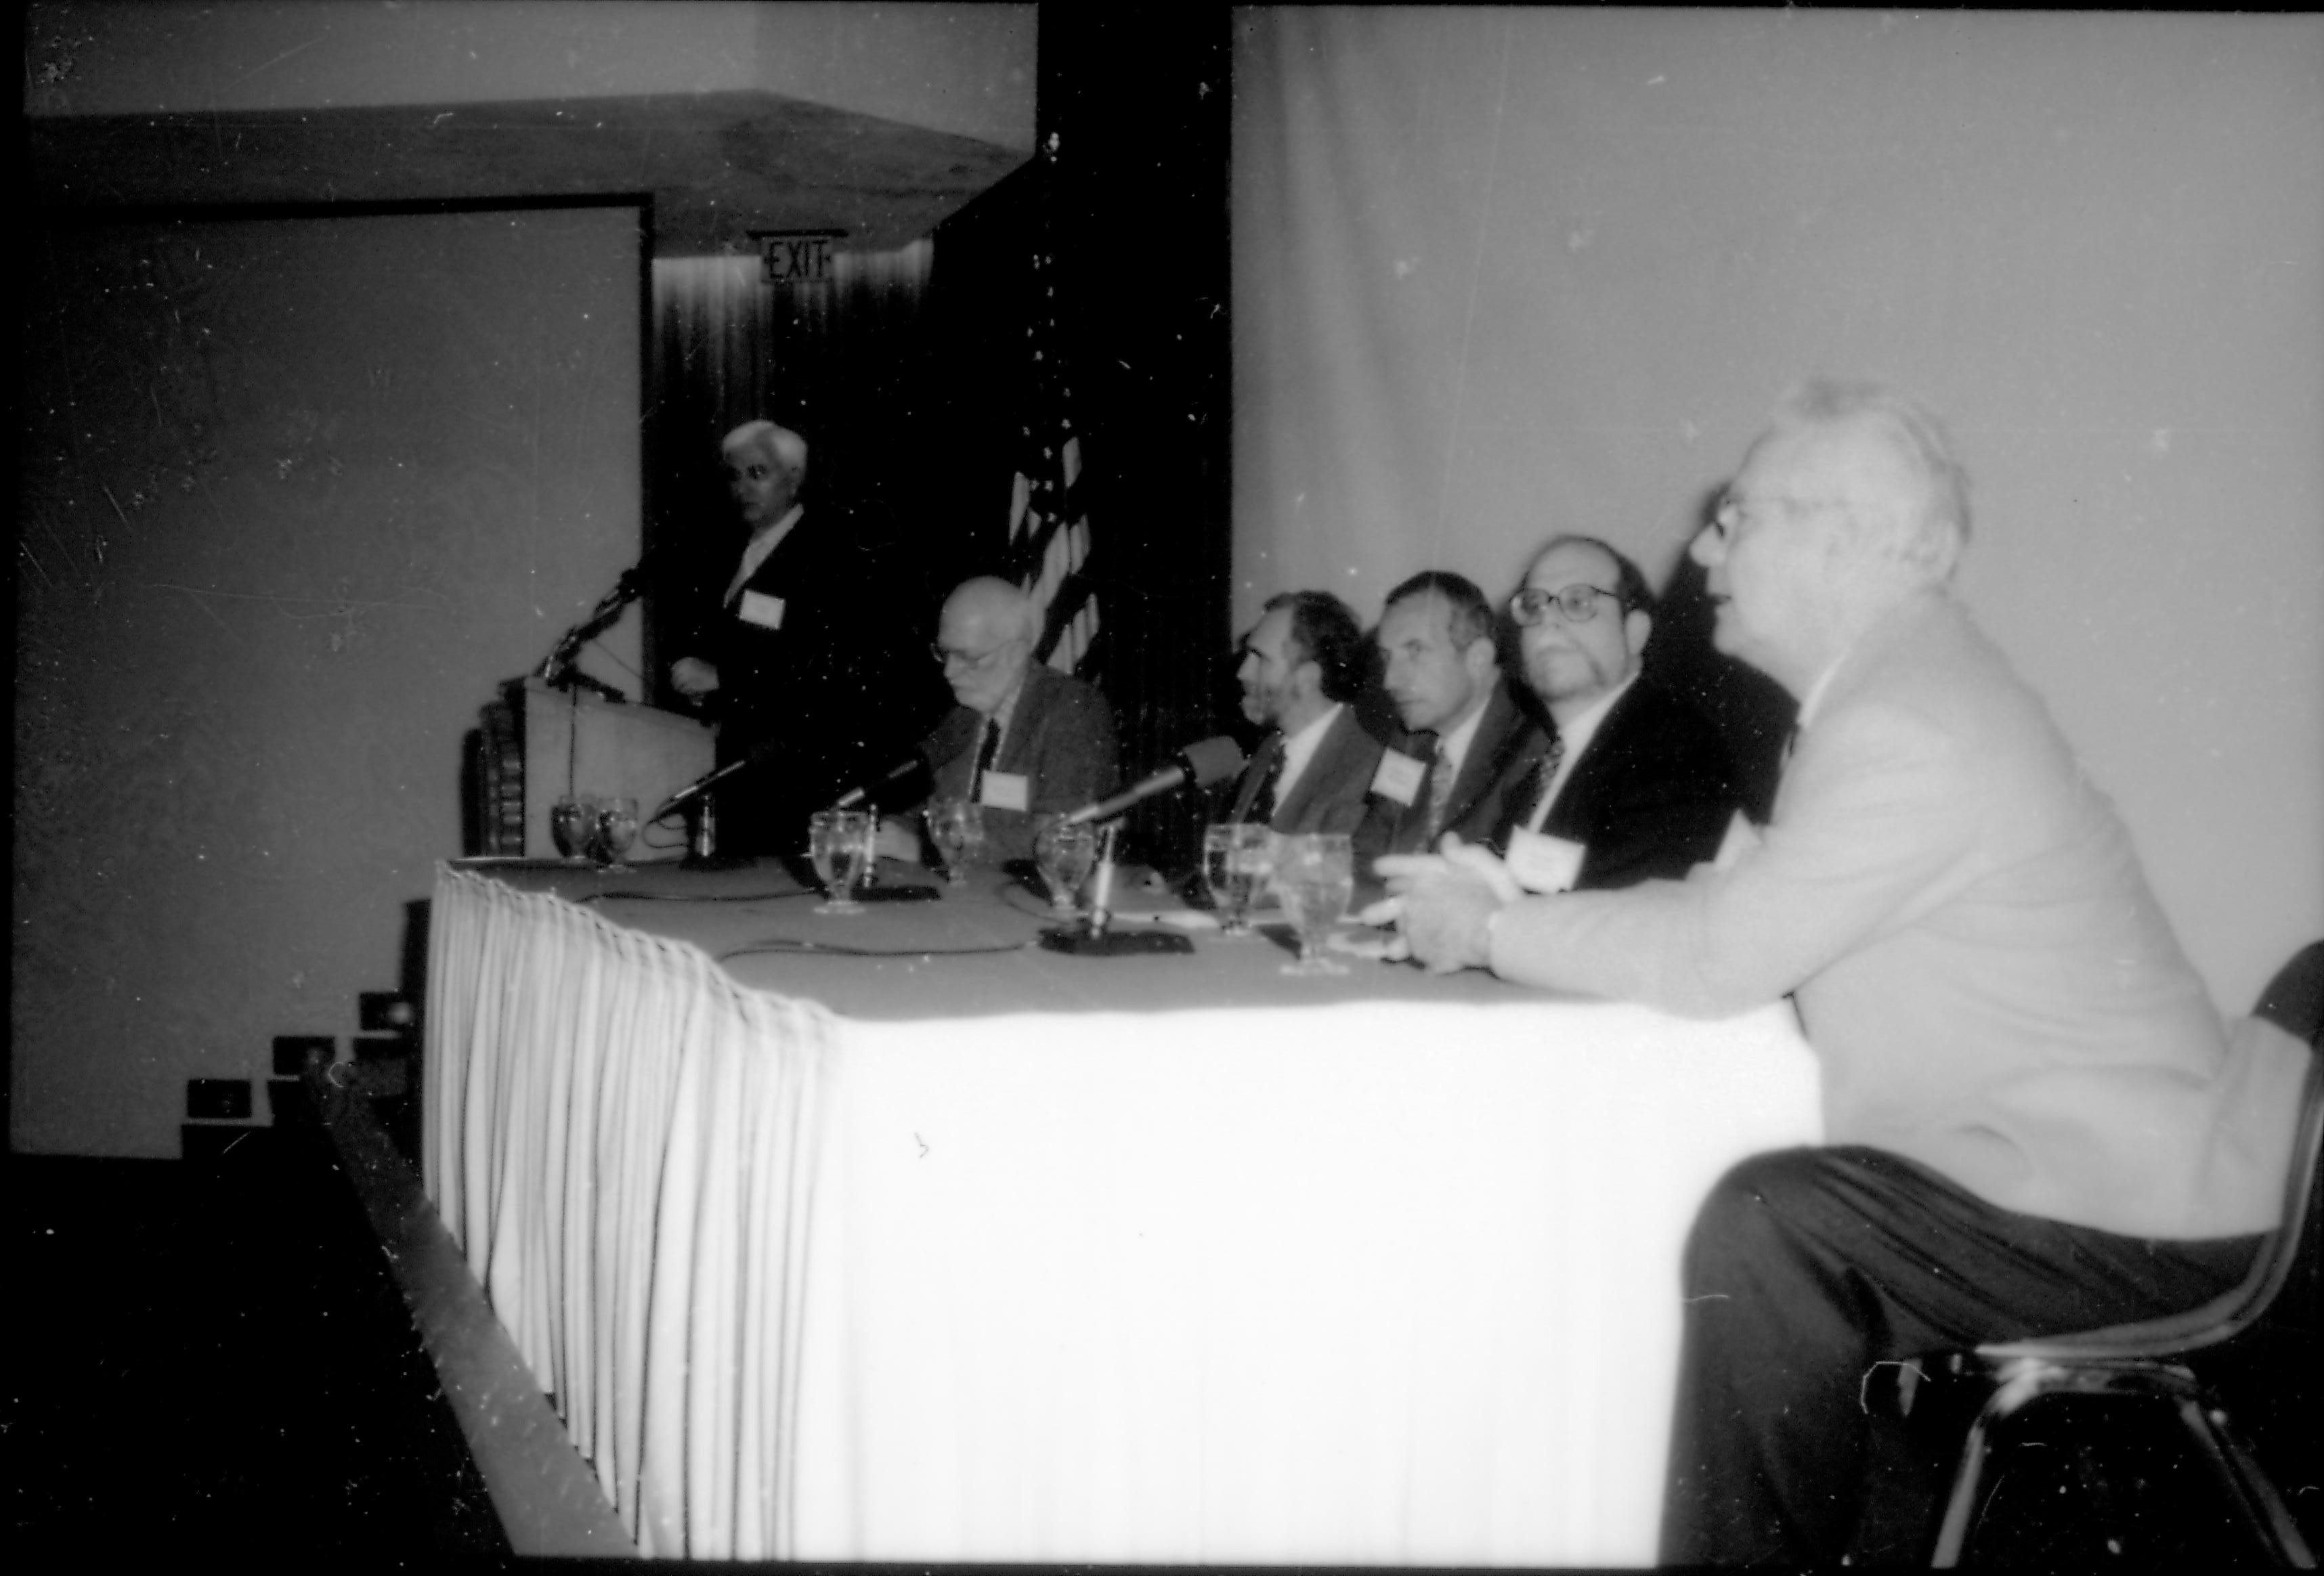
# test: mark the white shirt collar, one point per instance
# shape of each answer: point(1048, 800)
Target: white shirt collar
point(1299, 749)
point(761, 547)
point(1454, 746)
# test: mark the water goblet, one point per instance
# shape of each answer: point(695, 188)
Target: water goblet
point(1234, 866)
point(572, 823)
point(617, 828)
point(956, 826)
point(839, 845)
point(1315, 873)
point(1066, 851)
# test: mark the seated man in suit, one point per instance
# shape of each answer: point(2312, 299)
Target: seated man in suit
point(2037, 1121)
point(1637, 783)
point(1469, 748)
point(1303, 662)
point(1024, 740)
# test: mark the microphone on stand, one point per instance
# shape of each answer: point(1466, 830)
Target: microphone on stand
point(1201, 763)
point(913, 766)
point(710, 780)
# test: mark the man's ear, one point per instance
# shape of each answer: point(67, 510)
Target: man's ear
point(1637, 625)
point(1307, 679)
point(1480, 657)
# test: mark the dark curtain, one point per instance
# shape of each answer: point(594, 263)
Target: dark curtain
point(907, 374)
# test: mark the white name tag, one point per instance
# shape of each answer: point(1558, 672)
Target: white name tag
point(1007, 790)
point(1399, 777)
point(1741, 838)
point(1543, 863)
point(763, 610)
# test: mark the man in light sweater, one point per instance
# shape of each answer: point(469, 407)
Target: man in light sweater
point(2036, 1121)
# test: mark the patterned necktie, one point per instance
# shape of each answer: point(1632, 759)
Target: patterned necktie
point(984, 754)
point(1440, 791)
point(1544, 774)
point(1262, 802)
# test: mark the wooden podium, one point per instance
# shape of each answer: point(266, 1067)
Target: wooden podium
point(539, 745)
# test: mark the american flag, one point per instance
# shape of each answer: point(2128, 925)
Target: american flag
point(1049, 533)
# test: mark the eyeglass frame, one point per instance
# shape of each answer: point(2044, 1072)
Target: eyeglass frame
point(1557, 599)
point(980, 663)
point(1729, 515)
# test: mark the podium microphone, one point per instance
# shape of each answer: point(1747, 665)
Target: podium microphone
point(1204, 762)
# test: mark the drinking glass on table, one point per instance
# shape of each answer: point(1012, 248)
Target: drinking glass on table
point(572, 824)
point(956, 826)
point(839, 845)
point(616, 829)
point(1314, 875)
point(1235, 865)
point(1066, 852)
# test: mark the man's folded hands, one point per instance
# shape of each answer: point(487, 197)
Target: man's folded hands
point(1443, 902)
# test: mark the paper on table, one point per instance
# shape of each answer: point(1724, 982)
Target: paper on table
point(1387, 947)
point(1186, 919)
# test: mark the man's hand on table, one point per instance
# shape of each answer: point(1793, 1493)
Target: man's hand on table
point(1444, 902)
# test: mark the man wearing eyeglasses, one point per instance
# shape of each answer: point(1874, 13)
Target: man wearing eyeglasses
point(1639, 783)
point(1024, 740)
point(2035, 1121)
point(1303, 664)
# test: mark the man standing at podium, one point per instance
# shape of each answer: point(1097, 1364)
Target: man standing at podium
point(786, 663)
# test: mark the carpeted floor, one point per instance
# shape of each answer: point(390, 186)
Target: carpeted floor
point(213, 1357)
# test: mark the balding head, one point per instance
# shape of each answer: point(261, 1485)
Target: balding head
point(986, 636)
point(766, 465)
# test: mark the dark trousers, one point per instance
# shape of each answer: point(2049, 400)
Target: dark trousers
point(1809, 1270)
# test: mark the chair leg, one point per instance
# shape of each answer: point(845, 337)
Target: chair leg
point(2248, 1486)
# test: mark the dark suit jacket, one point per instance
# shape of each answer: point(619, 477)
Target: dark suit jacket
point(831, 689)
point(1060, 738)
point(1329, 796)
point(1498, 769)
point(1651, 797)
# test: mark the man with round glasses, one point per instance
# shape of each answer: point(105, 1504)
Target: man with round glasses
point(1023, 739)
point(1639, 784)
point(2034, 1120)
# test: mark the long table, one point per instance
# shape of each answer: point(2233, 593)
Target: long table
point(896, 1238)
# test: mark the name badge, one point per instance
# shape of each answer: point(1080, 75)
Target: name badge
point(1543, 863)
point(1741, 838)
point(763, 610)
point(1007, 790)
point(1399, 777)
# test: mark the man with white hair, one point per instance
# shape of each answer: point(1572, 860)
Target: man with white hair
point(791, 664)
point(1024, 740)
point(2035, 1121)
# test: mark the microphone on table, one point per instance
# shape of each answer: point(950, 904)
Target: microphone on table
point(1201, 763)
point(913, 770)
point(711, 779)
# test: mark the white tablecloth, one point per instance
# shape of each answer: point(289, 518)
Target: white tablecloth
point(1387, 1282)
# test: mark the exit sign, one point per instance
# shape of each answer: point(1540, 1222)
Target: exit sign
point(798, 256)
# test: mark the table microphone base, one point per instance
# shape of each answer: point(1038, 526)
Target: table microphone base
point(1115, 944)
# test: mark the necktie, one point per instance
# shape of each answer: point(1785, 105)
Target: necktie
point(1544, 775)
point(1440, 791)
point(1262, 802)
point(984, 754)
